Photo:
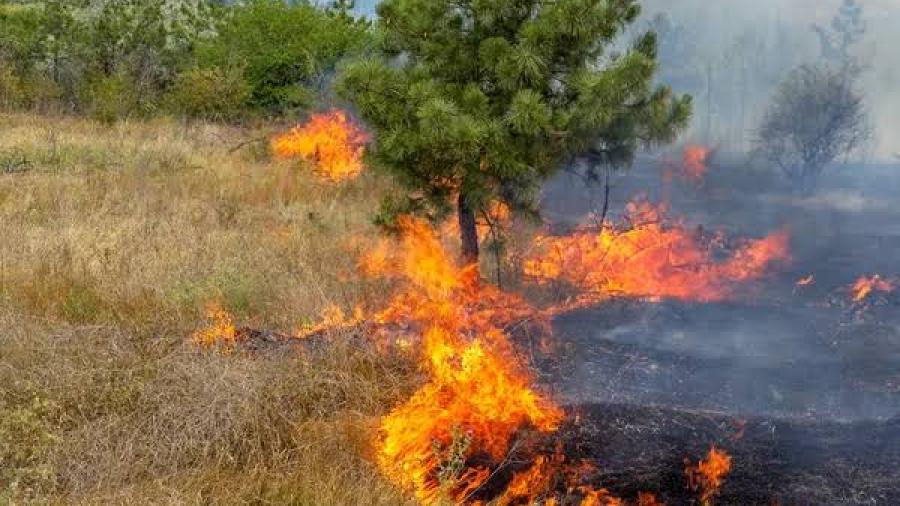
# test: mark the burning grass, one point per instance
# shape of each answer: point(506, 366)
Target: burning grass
point(424, 393)
point(654, 257)
point(330, 141)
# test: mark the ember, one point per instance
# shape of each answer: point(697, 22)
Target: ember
point(331, 142)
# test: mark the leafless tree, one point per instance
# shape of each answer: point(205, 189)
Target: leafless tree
point(816, 116)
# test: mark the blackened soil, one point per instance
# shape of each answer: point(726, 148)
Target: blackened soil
point(789, 462)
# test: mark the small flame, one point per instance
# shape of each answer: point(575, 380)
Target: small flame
point(497, 215)
point(332, 319)
point(648, 258)
point(648, 499)
point(330, 141)
point(807, 281)
point(708, 475)
point(694, 160)
point(598, 497)
point(531, 484)
point(864, 286)
point(221, 331)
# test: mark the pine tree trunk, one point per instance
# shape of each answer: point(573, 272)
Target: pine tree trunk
point(467, 230)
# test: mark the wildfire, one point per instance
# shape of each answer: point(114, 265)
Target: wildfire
point(221, 331)
point(708, 475)
point(807, 281)
point(645, 257)
point(477, 395)
point(864, 286)
point(330, 141)
point(693, 162)
point(333, 318)
point(497, 216)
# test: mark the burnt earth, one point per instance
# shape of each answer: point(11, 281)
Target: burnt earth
point(789, 462)
point(795, 357)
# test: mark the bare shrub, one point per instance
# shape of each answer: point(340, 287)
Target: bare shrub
point(815, 117)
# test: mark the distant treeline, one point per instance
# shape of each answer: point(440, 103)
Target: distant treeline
point(114, 59)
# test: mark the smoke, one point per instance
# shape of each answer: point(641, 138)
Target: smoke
point(731, 55)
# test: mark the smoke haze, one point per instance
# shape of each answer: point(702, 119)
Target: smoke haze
point(749, 47)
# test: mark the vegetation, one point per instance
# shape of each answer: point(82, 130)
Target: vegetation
point(115, 237)
point(485, 100)
point(195, 58)
point(847, 30)
point(121, 222)
point(816, 116)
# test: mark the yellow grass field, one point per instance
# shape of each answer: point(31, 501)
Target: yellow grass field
point(112, 241)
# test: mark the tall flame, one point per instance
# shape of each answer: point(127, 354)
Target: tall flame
point(864, 286)
point(649, 258)
point(477, 394)
point(330, 141)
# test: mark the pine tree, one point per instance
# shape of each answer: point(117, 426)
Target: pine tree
point(481, 100)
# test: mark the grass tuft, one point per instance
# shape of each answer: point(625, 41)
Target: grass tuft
point(114, 240)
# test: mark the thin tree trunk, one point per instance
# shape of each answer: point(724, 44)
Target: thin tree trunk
point(467, 230)
point(605, 198)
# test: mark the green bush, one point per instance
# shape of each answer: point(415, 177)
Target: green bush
point(214, 93)
point(200, 58)
point(111, 98)
point(285, 49)
point(12, 89)
point(20, 35)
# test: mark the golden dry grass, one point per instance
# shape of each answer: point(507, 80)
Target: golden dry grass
point(111, 245)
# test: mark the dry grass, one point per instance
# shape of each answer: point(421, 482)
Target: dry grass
point(113, 241)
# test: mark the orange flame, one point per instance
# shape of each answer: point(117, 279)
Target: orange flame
point(708, 475)
point(693, 162)
point(648, 499)
point(221, 331)
point(497, 214)
point(863, 287)
point(477, 395)
point(647, 258)
point(333, 319)
point(530, 484)
point(330, 141)
point(807, 281)
point(598, 497)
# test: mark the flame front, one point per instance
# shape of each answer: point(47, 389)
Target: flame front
point(864, 286)
point(708, 475)
point(330, 141)
point(477, 394)
point(648, 258)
